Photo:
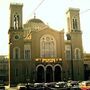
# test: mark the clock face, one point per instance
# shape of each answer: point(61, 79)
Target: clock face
point(17, 37)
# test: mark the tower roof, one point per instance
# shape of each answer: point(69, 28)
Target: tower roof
point(16, 5)
point(72, 9)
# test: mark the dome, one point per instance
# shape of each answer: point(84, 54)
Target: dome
point(34, 24)
point(34, 20)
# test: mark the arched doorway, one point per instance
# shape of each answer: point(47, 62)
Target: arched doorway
point(57, 73)
point(40, 74)
point(49, 74)
point(86, 72)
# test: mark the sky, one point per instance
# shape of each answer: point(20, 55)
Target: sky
point(51, 12)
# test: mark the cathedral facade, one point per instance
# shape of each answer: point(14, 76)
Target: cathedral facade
point(38, 53)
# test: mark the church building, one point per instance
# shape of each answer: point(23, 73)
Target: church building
point(38, 53)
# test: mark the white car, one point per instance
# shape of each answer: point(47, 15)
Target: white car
point(21, 86)
point(7, 87)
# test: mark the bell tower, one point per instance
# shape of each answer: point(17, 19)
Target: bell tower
point(16, 42)
point(73, 19)
point(74, 35)
point(16, 16)
point(16, 29)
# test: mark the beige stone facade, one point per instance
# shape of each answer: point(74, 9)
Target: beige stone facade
point(39, 53)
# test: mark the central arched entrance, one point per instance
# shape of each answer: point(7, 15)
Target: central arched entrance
point(40, 74)
point(49, 74)
point(57, 73)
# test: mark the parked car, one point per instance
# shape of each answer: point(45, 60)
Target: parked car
point(50, 84)
point(21, 86)
point(29, 86)
point(85, 85)
point(61, 84)
point(75, 85)
point(38, 84)
point(2, 87)
point(7, 87)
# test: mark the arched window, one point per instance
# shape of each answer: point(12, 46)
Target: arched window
point(68, 52)
point(27, 51)
point(77, 54)
point(68, 55)
point(47, 46)
point(16, 21)
point(16, 53)
point(75, 24)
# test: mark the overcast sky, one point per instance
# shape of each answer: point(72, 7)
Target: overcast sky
point(51, 12)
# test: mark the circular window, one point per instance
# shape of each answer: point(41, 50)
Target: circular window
point(16, 37)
